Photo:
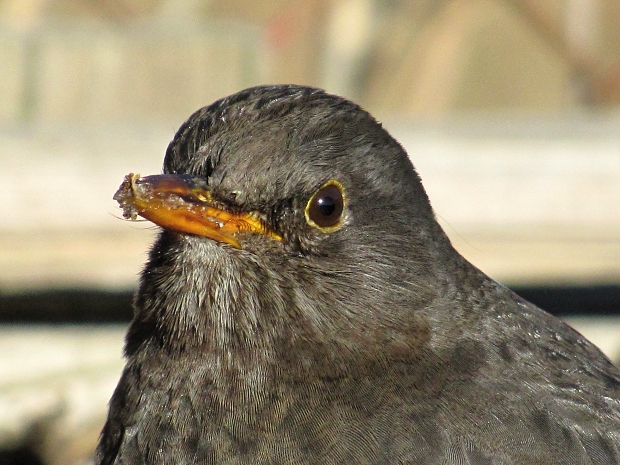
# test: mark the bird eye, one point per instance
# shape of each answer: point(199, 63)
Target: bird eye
point(324, 209)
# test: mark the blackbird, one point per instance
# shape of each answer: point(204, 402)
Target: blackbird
point(301, 305)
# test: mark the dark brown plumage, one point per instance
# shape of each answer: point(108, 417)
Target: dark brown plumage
point(344, 332)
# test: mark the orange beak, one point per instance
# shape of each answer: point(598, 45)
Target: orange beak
point(181, 203)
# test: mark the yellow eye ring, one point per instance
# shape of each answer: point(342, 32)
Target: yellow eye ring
point(325, 208)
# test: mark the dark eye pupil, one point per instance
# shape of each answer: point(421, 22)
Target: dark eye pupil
point(325, 207)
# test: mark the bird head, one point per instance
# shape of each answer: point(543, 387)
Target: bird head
point(292, 224)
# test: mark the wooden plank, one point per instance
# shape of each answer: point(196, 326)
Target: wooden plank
point(528, 201)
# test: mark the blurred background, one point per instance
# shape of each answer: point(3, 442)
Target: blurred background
point(509, 109)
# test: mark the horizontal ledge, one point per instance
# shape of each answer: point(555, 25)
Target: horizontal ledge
point(112, 259)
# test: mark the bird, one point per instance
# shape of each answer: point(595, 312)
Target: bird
point(302, 305)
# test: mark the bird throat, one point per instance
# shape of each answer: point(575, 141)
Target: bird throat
point(198, 296)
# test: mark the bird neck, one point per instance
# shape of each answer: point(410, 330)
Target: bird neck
point(198, 297)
